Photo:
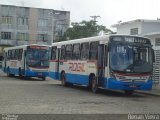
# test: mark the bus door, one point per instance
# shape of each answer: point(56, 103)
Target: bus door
point(5, 62)
point(100, 65)
point(54, 66)
point(57, 63)
point(24, 62)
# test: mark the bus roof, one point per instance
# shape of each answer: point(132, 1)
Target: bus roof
point(82, 40)
point(23, 46)
point(104, 39)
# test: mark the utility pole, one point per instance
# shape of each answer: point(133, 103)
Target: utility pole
point(95, 18)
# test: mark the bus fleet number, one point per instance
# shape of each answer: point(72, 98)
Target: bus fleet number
point(78, 67)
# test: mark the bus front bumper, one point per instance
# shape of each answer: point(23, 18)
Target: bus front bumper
point(36, 74)
point(118, 85)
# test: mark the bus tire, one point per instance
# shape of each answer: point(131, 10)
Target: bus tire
point(8, 72)
point(63, 78)
point(129, 92)
point(20, 72)
point(94, 84)
point(43, 78)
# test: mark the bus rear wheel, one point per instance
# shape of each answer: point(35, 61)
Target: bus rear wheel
point(43, 78)
point(20, 73)
point(94, 85)
point(63, 79)
point(8, 72)
point(129, 92)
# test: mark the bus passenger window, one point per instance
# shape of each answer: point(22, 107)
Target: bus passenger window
point(68, 52)
point(16, 54)
point(76, 52)
point(84, 51)
point(62, 57)
point(20, 51)
point(93, 50)
point(53, 53)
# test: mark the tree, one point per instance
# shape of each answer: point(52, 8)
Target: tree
point(83, 29)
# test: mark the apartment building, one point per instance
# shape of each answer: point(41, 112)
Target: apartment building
point(26, 25)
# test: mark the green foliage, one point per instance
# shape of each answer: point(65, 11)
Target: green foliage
point(83, 29)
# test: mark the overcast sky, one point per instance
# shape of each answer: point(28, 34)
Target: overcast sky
point(111, 11)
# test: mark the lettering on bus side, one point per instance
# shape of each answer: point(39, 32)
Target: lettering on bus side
point(77, 67)
point(14, 63)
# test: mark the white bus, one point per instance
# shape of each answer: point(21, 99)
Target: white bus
point(26, 61)
point(117, 62)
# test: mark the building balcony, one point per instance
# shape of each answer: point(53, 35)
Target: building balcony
point(8, 42)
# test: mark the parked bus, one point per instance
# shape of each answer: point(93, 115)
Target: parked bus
point(26, 61)
point(116, 62)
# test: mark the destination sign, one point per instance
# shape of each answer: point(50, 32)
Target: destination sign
point(130, 39)
point(38, 47)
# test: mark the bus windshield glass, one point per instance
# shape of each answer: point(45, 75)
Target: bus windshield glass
point(38, 56)
point(131, 58)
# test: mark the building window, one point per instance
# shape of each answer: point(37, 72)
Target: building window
point(22, 36)
point(42, 37)
point(7, 20)
point(157, 42)
point(5, 35)
point(22, 21)
point(42, 22)
point(134, 31)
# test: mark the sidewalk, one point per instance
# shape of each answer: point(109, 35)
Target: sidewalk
point(154, 92)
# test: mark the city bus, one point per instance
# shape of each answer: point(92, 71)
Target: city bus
point(26, 61)
point(115, 62)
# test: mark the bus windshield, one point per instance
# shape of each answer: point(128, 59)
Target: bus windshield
point(131, 58)
point(38, 57)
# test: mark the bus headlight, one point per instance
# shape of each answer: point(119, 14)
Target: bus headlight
point(113, 75)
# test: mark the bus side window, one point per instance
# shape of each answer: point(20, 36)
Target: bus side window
point(68, 52)
point(15, 54)
point(20, 51)
point(76, 52)
point(62, 57)
point(93, 50)
point(106, 55)
point(12, 54)
point(53, 53)
point(84, 51)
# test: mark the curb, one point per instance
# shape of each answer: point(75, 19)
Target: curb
point(148, 93)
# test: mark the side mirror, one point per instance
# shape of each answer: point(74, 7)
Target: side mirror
point(153, 55)
point(1, 58)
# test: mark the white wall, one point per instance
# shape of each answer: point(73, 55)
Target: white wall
point(153, 37)
point(149, 27)
point(125, 28)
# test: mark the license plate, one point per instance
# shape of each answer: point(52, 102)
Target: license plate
point(132, 86)
point(39, 73)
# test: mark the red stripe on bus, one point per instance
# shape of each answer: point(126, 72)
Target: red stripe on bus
point(58, 60)
point(126, 74)
point(39, 67)
point(92, 61)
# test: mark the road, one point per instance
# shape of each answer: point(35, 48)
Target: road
point(46, 97)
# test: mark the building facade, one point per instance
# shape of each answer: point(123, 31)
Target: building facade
point(26, 25)
point(146, 28)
